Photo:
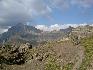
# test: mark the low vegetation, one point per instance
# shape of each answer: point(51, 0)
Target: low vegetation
point(68, 66)
point(52, 65)
point(56, 55)
point(88, 45)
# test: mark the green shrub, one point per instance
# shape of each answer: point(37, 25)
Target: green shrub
point(68, 66)
point(52, 65)
point(88, 44)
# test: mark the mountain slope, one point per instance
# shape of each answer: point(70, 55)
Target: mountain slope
point(19, 31)
point(67, 30)
point(50, 56)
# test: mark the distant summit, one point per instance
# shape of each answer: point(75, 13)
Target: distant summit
point(24, 28)
point(19, 31)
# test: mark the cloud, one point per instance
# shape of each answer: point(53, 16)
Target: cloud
point(65, 4)
point(83, 3)
point(3, 29)
point(42, 27)
point(22, 11)
point(16, 11)
point(60, 4)
point(48, 28)
point(57, 26)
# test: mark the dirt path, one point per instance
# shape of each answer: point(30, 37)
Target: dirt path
point(79, 58)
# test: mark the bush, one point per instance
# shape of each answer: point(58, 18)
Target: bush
point(88, 44)
point(52, 65)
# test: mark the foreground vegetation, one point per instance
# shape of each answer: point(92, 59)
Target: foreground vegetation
point(56, 55)
point(49, 56)
point(88, 45)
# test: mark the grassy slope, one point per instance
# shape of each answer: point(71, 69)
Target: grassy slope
point(88, 45)
point(59, 56)
point(50, 56)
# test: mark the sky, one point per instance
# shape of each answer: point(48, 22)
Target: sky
point(45, 14)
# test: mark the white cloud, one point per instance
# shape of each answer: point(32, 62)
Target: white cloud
point(25, 10)
point(16, 11)
point(60, 4)
point(21, 10)
point(83, 3)
point(42, 27)
point(55, 27)
point(3, 30)
point(48, 28)
point(58, 26)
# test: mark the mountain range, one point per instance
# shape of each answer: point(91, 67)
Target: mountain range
point(51, 52)
point(21, 32)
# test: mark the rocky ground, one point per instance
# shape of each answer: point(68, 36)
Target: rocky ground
point(61, 55)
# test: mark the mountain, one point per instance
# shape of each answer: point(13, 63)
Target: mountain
point(23, 33)
point(83, 31)
point(67, 30)
point(23, 29)
point(76, 53)
point(19, 31)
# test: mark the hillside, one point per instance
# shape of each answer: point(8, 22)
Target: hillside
point(51, 56)
point(46, 34)
point(83, 31)
point(73, 51)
